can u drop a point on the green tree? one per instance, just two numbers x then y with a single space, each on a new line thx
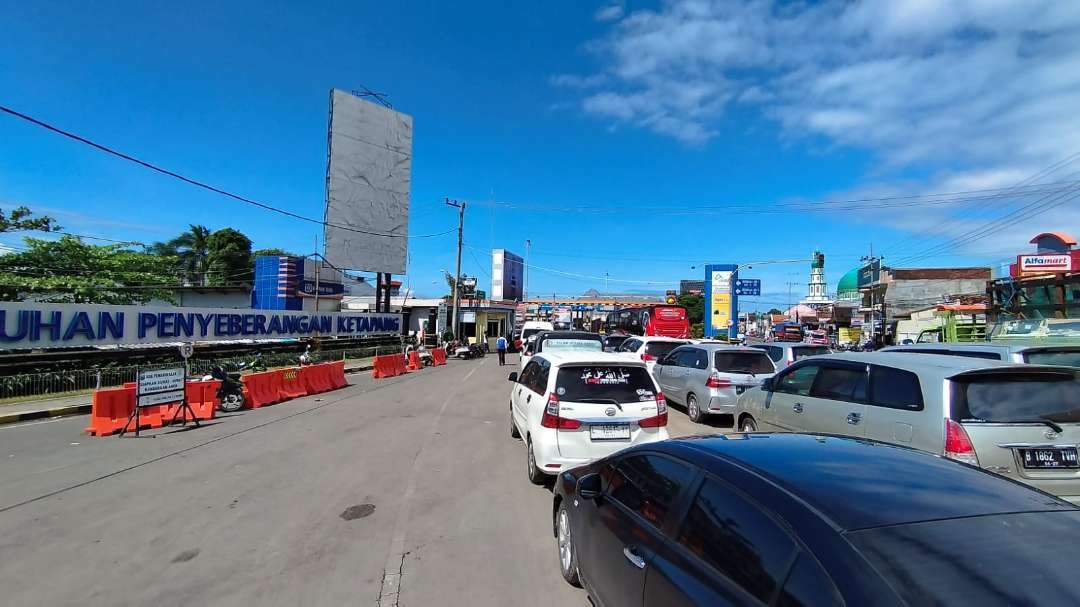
774 311
69 270
22 219
273 252
695 307
229 259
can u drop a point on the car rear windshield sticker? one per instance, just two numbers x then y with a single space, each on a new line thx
605 376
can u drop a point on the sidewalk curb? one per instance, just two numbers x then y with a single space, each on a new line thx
23 416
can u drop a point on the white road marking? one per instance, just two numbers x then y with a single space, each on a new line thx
34 423
395 559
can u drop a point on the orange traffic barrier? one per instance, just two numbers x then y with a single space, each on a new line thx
399 364
273 386
259 391
384 366
202 397
337 375
438 356
414 361
291 386
109 410
149 417
312 378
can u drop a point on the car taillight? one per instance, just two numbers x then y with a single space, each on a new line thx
957 444
647 357
551 418
660 419
715 381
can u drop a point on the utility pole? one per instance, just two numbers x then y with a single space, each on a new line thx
874 262
318 265
525 286
460 206
789 285
605 283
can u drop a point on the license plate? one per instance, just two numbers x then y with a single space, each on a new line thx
609 431
1049 458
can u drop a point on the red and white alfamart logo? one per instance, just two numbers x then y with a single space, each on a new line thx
1045 263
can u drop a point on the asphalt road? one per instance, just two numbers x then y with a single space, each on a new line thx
404 491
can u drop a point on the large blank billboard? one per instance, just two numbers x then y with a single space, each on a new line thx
368 178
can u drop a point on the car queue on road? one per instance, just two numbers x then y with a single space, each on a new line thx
702 522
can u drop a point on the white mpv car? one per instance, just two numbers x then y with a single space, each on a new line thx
573 407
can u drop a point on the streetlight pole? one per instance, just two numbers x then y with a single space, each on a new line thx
460 206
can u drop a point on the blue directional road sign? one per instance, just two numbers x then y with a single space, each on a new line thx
750 287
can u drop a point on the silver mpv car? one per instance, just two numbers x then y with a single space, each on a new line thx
708 378
1021 421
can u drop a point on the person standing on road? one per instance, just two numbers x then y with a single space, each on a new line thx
500 345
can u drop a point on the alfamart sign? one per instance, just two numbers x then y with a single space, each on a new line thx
41 325
1045 263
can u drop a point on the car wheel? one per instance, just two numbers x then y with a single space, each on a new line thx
748 425
536 476
513 427
692 409
568 564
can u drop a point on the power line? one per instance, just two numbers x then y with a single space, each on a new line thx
944 226
200 184
1030 210
960 197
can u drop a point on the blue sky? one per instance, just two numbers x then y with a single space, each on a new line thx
592 129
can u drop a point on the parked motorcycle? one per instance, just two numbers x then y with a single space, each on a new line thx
231 393
469 351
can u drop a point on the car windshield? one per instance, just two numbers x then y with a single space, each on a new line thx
529 332
622 384
743 362
562 344
804 351
660 349
1069 358
1018 397
983 560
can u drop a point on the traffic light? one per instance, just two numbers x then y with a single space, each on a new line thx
671 299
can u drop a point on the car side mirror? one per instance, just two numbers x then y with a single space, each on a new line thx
513 377
766 384
588 486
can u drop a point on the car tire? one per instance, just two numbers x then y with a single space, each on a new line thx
536 476
568 563
693 410
747 424
513 427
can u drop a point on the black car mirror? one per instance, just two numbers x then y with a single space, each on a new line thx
767 384
513 377
588 486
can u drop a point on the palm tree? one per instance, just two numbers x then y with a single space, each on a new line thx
191 250
194 250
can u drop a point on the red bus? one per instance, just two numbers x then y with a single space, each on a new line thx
668 321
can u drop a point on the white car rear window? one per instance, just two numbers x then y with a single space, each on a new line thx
572 345
604 384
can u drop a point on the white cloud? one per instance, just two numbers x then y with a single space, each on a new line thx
609 13
970 94
914 81
576 81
